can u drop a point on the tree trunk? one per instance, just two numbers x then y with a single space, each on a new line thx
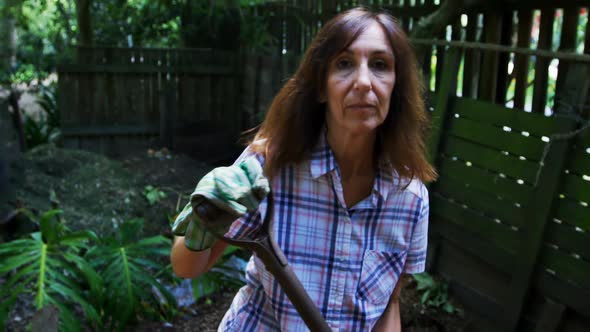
84 22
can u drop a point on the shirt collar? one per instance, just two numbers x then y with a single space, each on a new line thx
323 162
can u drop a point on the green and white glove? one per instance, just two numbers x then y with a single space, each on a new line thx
233 190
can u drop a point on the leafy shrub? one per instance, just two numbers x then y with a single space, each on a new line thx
113 281
49 265
153 194
434 293
130 271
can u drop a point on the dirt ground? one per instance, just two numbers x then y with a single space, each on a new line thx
205 316
98 193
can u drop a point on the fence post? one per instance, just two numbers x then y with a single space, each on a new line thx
540 206
446 89
167 103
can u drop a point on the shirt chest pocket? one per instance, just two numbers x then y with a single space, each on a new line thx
379 275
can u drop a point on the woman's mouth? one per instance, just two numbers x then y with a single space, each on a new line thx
361 106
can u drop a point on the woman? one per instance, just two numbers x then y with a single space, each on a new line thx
343 147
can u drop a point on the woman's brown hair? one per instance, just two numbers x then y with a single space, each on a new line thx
296 116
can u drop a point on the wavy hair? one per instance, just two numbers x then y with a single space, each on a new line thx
296 116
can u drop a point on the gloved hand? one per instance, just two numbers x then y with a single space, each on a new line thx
221 197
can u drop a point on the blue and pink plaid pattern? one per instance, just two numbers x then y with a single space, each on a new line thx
348 259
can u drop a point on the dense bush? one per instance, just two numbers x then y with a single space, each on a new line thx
113 281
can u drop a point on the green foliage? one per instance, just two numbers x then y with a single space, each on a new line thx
144 23
44 30
113 281
48 265
226 274
254 31
434 293
228 25
130 271
153 194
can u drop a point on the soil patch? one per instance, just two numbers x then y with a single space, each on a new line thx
99 193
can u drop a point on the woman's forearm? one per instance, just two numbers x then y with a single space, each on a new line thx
191 264
390 320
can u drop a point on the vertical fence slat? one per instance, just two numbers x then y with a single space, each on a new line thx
541 64
504 58
521 62
470 70
567 43
447 87
489 71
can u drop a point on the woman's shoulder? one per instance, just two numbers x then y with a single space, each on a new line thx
412 186
251 152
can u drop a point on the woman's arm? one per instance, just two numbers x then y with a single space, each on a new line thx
390 320
191 264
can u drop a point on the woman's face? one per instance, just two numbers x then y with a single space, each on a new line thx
360 83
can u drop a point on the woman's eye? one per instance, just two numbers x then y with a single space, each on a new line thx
343 63
380 65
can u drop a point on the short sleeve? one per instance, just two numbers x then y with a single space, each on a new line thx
416 257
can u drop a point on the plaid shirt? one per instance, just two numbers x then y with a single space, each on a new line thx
348 259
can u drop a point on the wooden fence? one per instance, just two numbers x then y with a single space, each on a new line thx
512 79
509 215
118 99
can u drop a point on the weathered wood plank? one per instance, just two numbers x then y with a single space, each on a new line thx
580 161
469 270
503 58
576 187
569 239
568 38
216 70
550 317
441 114
573 212
535 4
542 64
566 266
563 291
109 131
492 159
486 181
502 116
472 60
521 63
476 245
489 75
478 200
499 235
493 137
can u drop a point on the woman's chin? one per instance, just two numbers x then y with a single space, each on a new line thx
362 129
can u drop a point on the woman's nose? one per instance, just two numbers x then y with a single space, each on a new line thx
363 78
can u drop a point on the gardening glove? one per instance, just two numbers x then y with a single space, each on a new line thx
221 197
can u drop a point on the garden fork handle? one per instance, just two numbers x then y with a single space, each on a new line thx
280 269
275 262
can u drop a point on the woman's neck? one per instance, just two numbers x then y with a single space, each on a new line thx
354 153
